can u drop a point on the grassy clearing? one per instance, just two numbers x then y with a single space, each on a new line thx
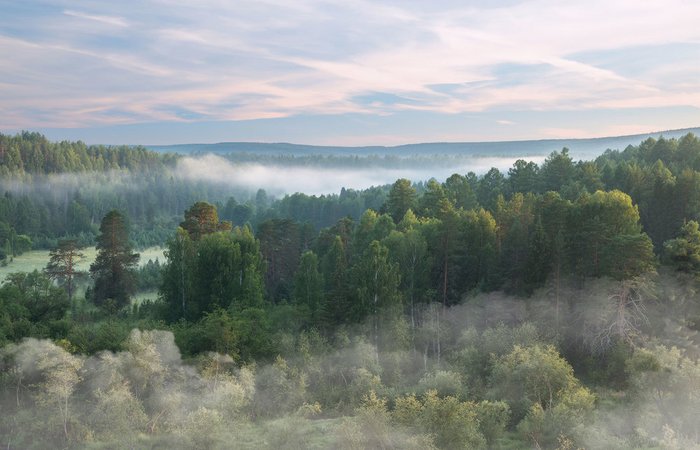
37 259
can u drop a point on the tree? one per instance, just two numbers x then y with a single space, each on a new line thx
63 262
218 273
515 222
308 286
428 203
29 305
56 374
252 269
542 392
606 238
524 176
402 197
409 250
178 274
451 422
477 250
448 242
378 280
61 371
335 274
460 192
684 251
665 389
491 185
202 219
557 171
280 244
114 268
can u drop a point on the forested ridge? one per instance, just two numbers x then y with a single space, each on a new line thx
551 306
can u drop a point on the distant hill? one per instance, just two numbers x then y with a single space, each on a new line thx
579 148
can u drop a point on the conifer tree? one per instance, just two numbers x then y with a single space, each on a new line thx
63 262
114 268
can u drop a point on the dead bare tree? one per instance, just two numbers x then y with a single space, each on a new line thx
621 316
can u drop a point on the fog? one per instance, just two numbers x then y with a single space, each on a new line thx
289 179
57 185
319 393
276 178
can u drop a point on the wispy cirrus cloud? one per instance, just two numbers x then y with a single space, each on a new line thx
107 20
99 63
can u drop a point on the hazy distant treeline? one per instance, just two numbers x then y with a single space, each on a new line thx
56 189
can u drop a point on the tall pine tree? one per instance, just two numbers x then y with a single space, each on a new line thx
114 268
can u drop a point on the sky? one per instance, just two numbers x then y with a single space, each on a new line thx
351 72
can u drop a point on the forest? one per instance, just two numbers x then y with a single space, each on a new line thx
551 305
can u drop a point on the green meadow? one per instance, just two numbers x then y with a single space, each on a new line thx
37 259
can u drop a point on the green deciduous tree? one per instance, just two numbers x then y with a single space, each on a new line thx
176 288
453 423
377 281
409 250
665 389
605 237
540 387
308 287
336 309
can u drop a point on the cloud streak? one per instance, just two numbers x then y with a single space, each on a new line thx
108 20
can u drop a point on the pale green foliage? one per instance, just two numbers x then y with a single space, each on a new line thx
363 382
289 432
563 420
280 389
407 410
118 416
476 352
452 423
202 428
374 418
666 385
60 371
59 375
493 419
341 379
540 387
502 339
147 352
394 329
373 427
130 399
226 392
444 382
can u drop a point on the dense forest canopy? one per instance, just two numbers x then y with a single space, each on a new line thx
533 308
